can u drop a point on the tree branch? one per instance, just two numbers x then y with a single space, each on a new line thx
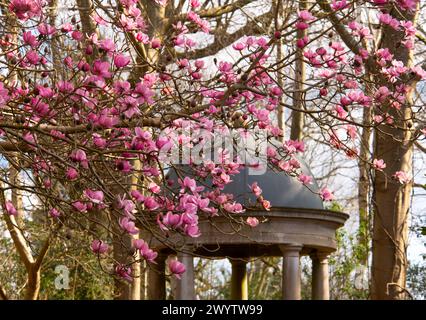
223 39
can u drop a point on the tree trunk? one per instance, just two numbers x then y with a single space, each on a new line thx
391 199
364 189
33 286
298 117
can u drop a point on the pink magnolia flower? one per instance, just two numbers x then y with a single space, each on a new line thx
292 146
339 5
276 91
4 95
266 205
150 203
124 272
189 183
54 213
239 46
71 174
96 197
137 195
171 221
101 69
79 206
77 35
30 39
256 189
154 188
126 205
26 9
147 253
46 29
301 25
121 60
305 15
252 221
10 208
155 43
195 4
79 155
177 268
301 43
233 207
129 226
145 93
379 164
403 177
326 194
32 57
192 230
107 45
305 179
98 246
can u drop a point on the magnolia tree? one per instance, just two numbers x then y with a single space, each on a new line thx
97 108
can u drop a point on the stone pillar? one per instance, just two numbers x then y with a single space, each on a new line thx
291 271
320 281
185 286
239 283
156 288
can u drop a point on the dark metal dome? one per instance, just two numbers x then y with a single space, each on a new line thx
278 188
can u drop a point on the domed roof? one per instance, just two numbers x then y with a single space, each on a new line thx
280 189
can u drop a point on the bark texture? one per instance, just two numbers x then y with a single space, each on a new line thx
391 199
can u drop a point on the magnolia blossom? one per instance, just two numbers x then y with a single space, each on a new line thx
252 221
234 207
79 206
124 272
99 246
326 194
150 203
79 156
26 9
305 179
305 15
379 164
403 177
266 204
147 253
121 60
170 221
177 268
10 208
128 226
96 197
256 189
54 213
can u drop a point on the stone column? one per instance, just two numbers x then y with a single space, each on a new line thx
291 271
185 286
239 283
320 281
156 288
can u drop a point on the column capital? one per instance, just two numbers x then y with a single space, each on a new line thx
320 256
291 249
